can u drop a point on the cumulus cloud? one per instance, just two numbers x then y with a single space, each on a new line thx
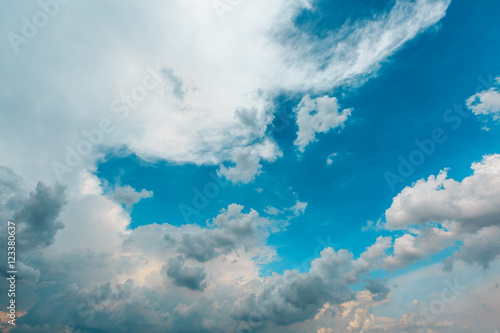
247 161
317 115
36 214
472 203
354 315
37 218
410 248
481 247
378 289
185 276
12 193
293 297
468 211
188 115
156 268
230 230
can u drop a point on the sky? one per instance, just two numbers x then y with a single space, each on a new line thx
320 166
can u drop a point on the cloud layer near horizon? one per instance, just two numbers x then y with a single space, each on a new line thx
208 278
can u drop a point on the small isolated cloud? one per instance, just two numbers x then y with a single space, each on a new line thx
329 159
299 208
317 115
486 102
129 196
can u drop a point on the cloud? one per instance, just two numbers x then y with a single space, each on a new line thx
372 258
378 289
429 298
129 196
37 219
481 247
209 104
185 276
317 115
292 297
188 115
37 214
248 161
297 209
158 267
198 247
408 249
471 204
468 211
354 315
177 83
12 193
486 102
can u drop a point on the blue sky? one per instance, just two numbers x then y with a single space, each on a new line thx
220 159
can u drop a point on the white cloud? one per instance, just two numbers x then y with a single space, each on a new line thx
248 161
486 102
472 203
208 70
273 211
317 115
409 248
329 159
129 196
